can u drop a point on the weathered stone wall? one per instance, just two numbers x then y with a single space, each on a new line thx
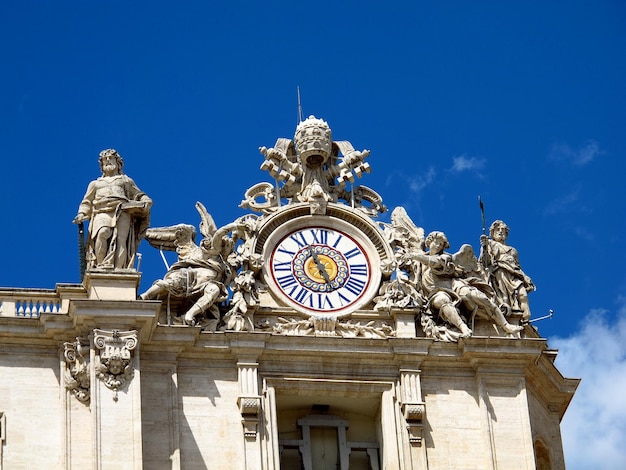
455 435
211 430
30 398
545 425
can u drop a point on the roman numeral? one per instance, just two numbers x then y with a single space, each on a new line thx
354 285
337 241
323 302
320 236
286 281
287 252
298 237
358 269
353 252
282 266
301 296
343 300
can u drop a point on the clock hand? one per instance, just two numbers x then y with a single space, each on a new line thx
320 266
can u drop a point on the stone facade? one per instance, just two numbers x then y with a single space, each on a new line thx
307 337
229 399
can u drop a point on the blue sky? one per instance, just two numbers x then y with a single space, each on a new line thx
522 103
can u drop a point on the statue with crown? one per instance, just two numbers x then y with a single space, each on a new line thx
314 261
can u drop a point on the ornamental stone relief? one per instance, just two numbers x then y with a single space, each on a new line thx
113 359
316 256
77 371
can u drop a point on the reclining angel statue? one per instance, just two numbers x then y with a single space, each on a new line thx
452 281
451 286
202 272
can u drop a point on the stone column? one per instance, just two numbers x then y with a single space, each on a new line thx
76 396
249 400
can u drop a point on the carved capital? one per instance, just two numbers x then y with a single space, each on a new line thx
77 373
114 357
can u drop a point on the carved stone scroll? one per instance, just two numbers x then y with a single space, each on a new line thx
77 373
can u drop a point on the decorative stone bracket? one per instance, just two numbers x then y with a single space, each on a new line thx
113 358
77 372
249 400
412 406
414 415
250 408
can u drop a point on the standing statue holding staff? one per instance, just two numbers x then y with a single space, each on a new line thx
505 274
118 213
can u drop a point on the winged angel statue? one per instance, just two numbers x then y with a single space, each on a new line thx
449 288
204 272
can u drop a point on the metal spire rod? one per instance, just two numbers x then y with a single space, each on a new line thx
482 214
300 115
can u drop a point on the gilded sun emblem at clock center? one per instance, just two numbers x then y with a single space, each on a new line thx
320 268
326 263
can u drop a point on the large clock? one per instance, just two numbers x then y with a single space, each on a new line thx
322 268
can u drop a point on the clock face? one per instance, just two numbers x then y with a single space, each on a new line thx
322 270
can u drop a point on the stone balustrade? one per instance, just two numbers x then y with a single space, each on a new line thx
29 303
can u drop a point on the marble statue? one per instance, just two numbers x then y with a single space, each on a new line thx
505 275
118 213
244 302
236 271
201 273
406 238
451 282
314 169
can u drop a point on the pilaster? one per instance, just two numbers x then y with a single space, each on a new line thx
247 349
116 400
500 367
102 372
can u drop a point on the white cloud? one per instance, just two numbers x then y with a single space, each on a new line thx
563 203
594 426
577 157
418 183
415 183
465 163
